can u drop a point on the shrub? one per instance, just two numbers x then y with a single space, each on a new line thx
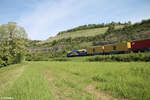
122 58
30 56
2 63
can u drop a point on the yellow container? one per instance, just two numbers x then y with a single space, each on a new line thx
95 50
123 46
89 50
99 49
119 47
109 48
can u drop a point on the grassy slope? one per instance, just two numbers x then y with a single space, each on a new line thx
77 81
80 33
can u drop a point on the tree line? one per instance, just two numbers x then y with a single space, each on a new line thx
92 26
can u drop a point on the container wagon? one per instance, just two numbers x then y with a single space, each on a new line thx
119 48
98 50
141 45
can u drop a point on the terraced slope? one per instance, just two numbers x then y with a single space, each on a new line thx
80 33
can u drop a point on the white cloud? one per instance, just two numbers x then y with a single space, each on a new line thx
38 22
51 16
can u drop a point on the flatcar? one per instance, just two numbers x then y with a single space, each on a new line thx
119 48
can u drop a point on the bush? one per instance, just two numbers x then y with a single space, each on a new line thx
2 63
122 58
30 56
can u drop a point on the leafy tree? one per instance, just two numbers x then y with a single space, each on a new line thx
54 42
111 28
13 41
129 23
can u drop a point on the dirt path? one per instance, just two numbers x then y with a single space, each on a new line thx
98 94
57 94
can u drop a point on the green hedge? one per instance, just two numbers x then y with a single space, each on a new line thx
30 56
122 58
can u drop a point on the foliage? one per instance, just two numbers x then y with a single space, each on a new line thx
31 56
122 58
2 63
13 41
91 26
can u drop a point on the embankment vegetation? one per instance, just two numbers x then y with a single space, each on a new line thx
133 57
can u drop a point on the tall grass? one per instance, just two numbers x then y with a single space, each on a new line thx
121 80
129 80
31 85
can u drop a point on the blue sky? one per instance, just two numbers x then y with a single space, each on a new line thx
44 18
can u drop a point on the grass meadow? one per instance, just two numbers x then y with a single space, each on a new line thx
55 80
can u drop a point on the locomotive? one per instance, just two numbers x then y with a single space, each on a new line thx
118 48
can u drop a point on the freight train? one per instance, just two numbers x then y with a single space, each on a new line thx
119 48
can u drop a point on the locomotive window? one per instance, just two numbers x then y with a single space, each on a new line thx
114 47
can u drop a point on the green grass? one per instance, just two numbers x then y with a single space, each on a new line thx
54 80
9 74
30 85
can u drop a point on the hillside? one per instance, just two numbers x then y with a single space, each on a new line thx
80 33
58 45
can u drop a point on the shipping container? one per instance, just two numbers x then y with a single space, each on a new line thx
98 50
109 48
117 48
123 47
89 51
140 45
95 50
